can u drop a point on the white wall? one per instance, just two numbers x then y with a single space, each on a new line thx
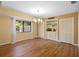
41 29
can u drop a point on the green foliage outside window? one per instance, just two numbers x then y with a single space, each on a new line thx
20 25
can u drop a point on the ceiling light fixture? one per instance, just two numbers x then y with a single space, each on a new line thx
38 18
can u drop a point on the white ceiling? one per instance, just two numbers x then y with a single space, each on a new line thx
46 8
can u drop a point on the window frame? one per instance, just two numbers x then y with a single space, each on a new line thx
23 26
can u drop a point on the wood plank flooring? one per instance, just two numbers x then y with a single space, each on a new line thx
39 48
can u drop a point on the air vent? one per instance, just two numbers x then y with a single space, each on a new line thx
51 18
73 2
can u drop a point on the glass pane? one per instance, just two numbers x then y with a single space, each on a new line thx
19 26
27 26
51 26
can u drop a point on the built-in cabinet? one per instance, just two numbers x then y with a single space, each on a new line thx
61 30
52 29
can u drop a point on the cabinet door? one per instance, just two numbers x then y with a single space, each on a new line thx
51 35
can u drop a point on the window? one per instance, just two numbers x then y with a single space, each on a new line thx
23 26
19 26
27 26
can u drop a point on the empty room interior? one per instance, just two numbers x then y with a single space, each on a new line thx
39 28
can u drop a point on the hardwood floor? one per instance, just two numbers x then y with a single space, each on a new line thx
39 48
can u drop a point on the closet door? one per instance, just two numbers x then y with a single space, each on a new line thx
66 30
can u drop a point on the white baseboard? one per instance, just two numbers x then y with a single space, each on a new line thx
72 44
75 44
5 43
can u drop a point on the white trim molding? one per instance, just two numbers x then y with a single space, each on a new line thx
13 30
5 43
73 30
78 29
